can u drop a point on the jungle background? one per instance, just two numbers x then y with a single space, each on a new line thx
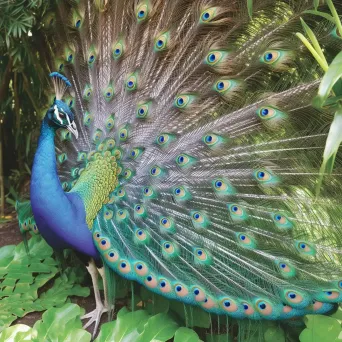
32 285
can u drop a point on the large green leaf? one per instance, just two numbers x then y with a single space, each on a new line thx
320 329
321 14
337 314
186 335
160 327
6 255
21 277
126 326
274 334
61 324
16 333
107 332
330 78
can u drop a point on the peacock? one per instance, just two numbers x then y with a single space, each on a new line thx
182 151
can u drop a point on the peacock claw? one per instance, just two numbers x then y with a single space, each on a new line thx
94 317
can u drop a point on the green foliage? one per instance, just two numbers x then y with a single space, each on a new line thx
24 57
331 84
250 7
61 324
22 276
19 332
138 326
57 324
186 335
321 329
274 334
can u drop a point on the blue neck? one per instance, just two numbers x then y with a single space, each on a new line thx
60 216
45 183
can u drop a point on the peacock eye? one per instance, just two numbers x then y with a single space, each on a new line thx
207 15
223 85
271 56
131 82
214 57
212 140
161 42
305 248
62 115
142 12
118 50
182 101
268 112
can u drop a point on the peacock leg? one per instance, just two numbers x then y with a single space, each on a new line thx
95 315
105 288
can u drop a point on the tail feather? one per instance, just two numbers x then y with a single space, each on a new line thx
218 151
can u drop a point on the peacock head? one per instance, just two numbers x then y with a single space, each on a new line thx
61 116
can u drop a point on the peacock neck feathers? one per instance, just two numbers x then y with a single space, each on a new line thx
59 216
45 181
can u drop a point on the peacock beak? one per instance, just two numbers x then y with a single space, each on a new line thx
72 128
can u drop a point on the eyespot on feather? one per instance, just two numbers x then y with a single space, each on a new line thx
140 268
164 285
199 294
151 281
124 266
181 290
104 244
264 307
305 248
209 303
207 15
112 255
228 304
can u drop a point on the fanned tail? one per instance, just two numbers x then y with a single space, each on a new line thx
204 119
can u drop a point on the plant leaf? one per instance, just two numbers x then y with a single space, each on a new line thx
321 14
313 39
186 335
316 4
320 329
125 329
250 8
160 327
68 317
331 76
106 333
16 333
274 334
331 147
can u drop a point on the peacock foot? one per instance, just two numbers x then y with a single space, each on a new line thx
95 317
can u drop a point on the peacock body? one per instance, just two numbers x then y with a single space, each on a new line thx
197 156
